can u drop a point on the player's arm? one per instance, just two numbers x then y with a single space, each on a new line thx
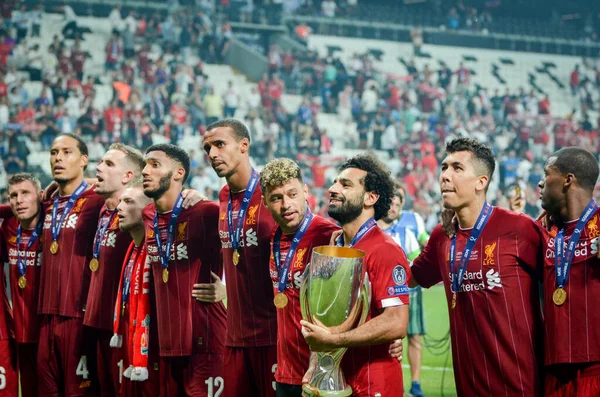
5 211
425 268
389 325
210 292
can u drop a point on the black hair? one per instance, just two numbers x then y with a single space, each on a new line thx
240 131
579 162
174 153
480 153
81 145
377 180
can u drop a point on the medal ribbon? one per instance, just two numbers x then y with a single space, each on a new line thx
127 277
458 274
32 239
283 271
368 225
562 259
166 254
56 226
100 231
234 235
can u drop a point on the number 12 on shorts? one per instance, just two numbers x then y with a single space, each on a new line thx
215 386
2 378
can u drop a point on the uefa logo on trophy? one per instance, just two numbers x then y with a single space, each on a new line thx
336 292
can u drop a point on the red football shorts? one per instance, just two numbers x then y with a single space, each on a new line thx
107 363
27 357
9 380
198 375
572 380
253 370
66 365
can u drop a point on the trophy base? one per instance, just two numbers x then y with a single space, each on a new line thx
309 391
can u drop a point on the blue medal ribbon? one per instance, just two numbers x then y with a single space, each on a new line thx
166 254
283 271
100 231
234 235
562 259
127 280
458 274
56 226
32 239
368 225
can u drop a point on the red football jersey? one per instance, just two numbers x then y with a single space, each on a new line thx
370 370
292 349
186 326
496 326
251 315
573 329
65 277
24 300
6 320
104 283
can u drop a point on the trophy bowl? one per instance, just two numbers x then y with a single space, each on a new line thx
335 292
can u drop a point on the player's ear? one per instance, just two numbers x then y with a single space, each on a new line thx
482 183
128 177
371 198
264 201
84 160
305 190
244 145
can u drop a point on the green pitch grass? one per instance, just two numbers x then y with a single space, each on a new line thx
434 367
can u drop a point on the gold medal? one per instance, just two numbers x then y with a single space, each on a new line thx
559 296
54 247
280 300
165 275
453 300
94 264
236 257
22 282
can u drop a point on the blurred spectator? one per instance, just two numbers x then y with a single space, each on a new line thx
574 81
213 106
303 32
416 35
231 100
328 8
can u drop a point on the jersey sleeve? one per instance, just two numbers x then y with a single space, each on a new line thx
5 211
422 235
426 269
530 247
391 276
412 249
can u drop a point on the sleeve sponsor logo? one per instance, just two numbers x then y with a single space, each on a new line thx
399 275
397 290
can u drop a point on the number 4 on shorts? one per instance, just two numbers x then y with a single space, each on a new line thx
82 369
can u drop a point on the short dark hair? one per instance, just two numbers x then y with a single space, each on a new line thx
579 162
480 153
25 176
81 145
174 153
377 180
240 131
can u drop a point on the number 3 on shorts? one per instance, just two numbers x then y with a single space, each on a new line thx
2 378
215 383
82 369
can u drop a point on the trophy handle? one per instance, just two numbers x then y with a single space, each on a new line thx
303 295
365 299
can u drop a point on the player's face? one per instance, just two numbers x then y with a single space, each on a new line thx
347 196
394 211
224 152
130 208
66 161
551 188
110 172
459 180
287 204
158 174
24 198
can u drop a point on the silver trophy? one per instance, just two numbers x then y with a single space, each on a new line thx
335 292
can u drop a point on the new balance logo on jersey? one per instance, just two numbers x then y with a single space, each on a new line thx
493 279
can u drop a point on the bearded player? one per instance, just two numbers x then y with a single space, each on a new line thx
571 283
23 251
362 194
299 231
118 167
490 273
71 216
134 314
183 249
245 227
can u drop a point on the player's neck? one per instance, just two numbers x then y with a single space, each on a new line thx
137 234
31 223
467 215
67 188
350 229
167 201
112 200
383 224
240 178
575 205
